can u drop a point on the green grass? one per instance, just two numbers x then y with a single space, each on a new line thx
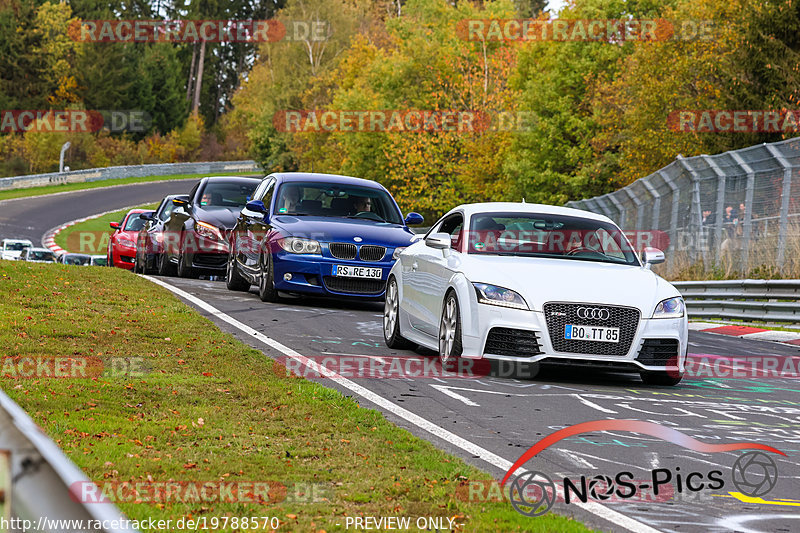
212 408
91 236
50 189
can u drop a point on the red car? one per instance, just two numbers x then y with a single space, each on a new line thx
122 244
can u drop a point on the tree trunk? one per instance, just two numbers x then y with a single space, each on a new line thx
199 84
191 74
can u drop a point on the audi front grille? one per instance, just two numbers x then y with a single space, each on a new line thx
343 250
557 315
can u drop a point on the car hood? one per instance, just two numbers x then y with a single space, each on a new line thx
11 254
221 217
328 229
541 280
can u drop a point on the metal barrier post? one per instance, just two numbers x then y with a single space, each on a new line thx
748 210
673 222
787 190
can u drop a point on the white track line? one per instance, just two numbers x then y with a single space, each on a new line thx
596 509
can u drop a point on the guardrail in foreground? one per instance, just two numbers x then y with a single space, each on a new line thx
748 299
41 476
129 171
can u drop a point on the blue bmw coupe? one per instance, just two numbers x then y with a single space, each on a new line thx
317 234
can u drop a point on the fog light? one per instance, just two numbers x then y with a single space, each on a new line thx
287 277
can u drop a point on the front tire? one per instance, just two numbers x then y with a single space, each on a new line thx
450 331
165 268
266 280
391 319
667 379
185 269
233 279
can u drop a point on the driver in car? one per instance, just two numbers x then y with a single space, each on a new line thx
290 197
362 204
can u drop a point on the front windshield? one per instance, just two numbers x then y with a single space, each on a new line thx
134 223
41 256
80 260
334 200
555 236
17 246
222 194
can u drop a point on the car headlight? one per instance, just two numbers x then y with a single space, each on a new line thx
207 230
126 242
670 308
397 252
493 295
296 245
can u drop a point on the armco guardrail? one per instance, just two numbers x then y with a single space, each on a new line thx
130 171
748 299
40 480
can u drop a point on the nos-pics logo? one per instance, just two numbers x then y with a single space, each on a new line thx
532 493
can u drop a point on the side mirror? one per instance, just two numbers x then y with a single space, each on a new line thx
652 256
414 219
439 241
257 206
180 201
114 225
146 216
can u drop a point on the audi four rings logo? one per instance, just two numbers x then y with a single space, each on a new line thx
595 313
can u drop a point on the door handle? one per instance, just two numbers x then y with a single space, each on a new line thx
414 266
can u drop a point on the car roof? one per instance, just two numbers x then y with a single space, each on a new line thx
327 178
521 207
39 249
16 241
232 179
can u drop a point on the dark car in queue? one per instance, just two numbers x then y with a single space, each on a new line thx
75 259
122 244
318 234
196 233
150 241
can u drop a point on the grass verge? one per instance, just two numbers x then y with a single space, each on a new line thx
91 236
212 409
51 189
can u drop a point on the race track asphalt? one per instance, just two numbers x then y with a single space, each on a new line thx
507 415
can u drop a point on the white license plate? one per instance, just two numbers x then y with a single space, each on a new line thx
357 272
591 333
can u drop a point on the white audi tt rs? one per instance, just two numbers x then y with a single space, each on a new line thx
533 283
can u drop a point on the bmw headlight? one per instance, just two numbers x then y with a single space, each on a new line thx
397 252
670 308
295 245
493 295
